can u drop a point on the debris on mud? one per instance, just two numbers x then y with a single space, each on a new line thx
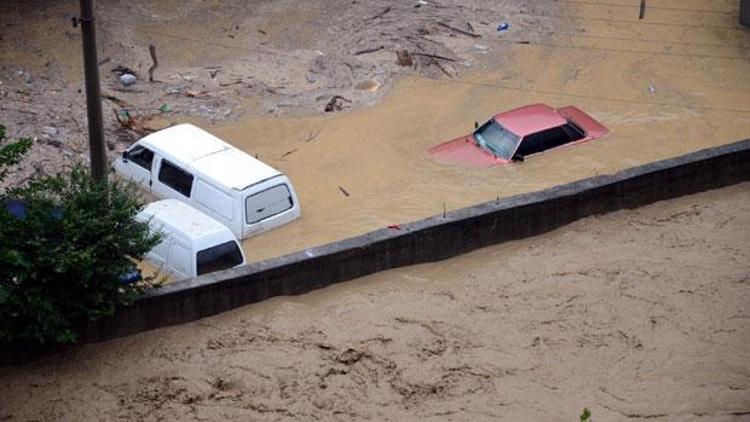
285 57
404 58
336 103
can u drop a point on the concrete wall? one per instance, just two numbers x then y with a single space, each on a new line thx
432 239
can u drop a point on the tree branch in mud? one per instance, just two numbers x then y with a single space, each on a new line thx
435 56
152 52
369 50
387 9
460 31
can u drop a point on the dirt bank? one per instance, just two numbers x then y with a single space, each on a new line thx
221 60
636 314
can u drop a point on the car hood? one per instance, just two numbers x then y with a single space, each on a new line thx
464 151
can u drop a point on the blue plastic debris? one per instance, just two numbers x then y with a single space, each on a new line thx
17 209
503 26
132 276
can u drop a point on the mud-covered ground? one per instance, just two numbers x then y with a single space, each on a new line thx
639 314
221 60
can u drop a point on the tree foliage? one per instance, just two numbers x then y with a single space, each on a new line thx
11 153
63 258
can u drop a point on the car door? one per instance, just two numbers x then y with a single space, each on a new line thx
137 164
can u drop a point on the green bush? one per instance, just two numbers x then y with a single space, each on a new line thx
61 262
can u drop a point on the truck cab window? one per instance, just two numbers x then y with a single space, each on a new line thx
141 156
176 178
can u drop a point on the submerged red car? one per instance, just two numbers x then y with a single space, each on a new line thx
519 133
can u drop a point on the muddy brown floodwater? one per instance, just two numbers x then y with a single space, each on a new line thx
662 90
638 314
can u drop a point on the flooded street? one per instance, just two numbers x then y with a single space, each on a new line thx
660 95
638 314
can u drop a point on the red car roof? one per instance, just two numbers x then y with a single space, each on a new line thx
530 119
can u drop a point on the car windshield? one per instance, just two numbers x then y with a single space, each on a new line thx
496 139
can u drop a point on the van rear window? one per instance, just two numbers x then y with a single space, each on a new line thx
220 257
268 203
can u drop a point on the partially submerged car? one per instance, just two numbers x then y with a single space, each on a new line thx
516 134
188 164
192 244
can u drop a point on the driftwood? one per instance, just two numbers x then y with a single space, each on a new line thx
368 50
118 101
434 56
152 52
311 137
443 69
404 58
460 31
387 9
288 153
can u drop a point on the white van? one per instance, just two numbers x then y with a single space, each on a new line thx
189 164
192 243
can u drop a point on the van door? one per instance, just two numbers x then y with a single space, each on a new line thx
179 261
267 203
213 201
137 164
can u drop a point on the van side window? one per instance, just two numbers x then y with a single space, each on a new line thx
141 156
268 203
176 178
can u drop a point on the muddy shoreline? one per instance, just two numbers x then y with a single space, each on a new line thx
221 61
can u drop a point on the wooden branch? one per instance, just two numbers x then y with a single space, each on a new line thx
434 56
460 31
152 51
387 9
368 50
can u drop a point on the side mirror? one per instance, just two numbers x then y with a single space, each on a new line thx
125 155
476 125
518 158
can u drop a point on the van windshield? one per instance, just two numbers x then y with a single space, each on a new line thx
220 257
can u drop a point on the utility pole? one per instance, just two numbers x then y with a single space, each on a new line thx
93 95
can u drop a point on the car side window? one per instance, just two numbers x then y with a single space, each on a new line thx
141 156
544 140
574 131
176 178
